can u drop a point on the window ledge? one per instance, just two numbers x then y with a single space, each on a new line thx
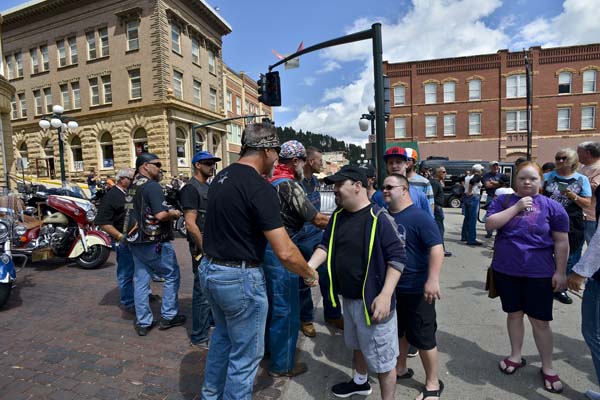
564 94
454 135
97 59
196 64
212 73
67 66
516 97
18 78
96 106
475 134
178 53
78 109
40 73
474 100
589 129
563 130
20 119
136 100
132 51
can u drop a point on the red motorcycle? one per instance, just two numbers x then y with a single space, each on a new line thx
64 228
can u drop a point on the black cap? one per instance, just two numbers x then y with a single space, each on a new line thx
351 172
368 170
144 158
504 178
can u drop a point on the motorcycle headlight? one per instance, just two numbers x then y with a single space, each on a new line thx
3 232
90 215
20 230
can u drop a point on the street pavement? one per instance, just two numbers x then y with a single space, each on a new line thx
62 336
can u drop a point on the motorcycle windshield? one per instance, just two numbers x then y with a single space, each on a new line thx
11 215
70 189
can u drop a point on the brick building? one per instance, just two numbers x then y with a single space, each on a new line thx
135 75
475 107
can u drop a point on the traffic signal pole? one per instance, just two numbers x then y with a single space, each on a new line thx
375 35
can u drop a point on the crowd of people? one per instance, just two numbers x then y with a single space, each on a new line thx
259 244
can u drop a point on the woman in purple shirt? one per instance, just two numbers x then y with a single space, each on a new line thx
529 263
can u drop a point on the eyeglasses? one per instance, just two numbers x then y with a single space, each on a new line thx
157 164
208 163
391 187
563 158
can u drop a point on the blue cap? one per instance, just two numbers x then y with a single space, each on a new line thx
203 156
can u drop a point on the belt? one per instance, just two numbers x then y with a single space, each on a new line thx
233 263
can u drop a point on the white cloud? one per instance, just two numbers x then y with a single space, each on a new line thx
329 66
577 24
283 109
426 31
309 80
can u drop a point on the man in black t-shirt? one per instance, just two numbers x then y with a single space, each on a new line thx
92 182
194 200
149 228
242 216
111 216
437 184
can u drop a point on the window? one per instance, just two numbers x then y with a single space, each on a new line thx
77 153
430 93
10 73
516 121
238 105
431 126
211 62
197 93
229 101
589 81
45 62
399 127
564 83
64 96
106 148
62 53
133 41
35 63
13 107
234 133
39 107
449 125
103 35
91 44
195 51
246 107
474 123
564 119
588 117
107 89
23 152
73 49
48 99
213 99
76 92
19 63
399 95
175 38
474 90
140 142
178 84
135 84
23 105
94 92
181 140
515 86
449 92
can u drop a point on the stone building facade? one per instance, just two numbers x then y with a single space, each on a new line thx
136 76
6 148
475 107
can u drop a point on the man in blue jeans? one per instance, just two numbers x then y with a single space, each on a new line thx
471 198
307 240
282 286
241 217
148 223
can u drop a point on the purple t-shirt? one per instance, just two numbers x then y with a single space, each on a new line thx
524 246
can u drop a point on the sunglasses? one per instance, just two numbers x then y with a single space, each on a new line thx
391 187
560 158
157 164
207 163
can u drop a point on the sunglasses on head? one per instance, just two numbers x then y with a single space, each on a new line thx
563 158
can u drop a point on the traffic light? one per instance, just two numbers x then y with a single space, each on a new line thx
269 89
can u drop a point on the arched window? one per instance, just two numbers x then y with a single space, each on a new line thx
140 142
182 146
215 143
77 153
24 156
199 142
49 149
106 148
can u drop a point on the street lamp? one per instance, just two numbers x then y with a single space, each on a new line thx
61 123
363 124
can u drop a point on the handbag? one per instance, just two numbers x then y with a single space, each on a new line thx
490 285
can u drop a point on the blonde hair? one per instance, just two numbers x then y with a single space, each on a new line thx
572 158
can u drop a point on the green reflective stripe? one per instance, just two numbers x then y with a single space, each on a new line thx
371 241
329 253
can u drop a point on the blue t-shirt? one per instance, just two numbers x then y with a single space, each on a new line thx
576 183
418 197
490 176
420 233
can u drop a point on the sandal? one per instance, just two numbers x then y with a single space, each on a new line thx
433 393
509 363
551 379
407 375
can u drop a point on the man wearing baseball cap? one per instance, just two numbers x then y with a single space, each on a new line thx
241 217
491 182
194 199
417 181
365 257
473 185
296 209
371 174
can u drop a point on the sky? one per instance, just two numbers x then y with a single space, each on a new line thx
333 87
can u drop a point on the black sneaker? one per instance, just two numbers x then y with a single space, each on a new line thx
177 320
143 330
347 389
563 297
202 345
153 298
412 352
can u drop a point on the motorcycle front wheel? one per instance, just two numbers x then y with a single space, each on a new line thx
5 289
94 257
180 226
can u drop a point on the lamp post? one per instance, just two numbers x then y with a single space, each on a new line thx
363 124
61 123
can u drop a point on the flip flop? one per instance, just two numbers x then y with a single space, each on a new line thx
551 379
509 363
433 393
407 375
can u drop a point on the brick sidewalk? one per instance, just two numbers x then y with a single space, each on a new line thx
62 336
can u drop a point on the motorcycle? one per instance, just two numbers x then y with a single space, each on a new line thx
11 208
171 193
101 189
64 228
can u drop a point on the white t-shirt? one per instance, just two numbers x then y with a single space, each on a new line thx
475 189
504 190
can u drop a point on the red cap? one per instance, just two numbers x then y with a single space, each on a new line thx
395 151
